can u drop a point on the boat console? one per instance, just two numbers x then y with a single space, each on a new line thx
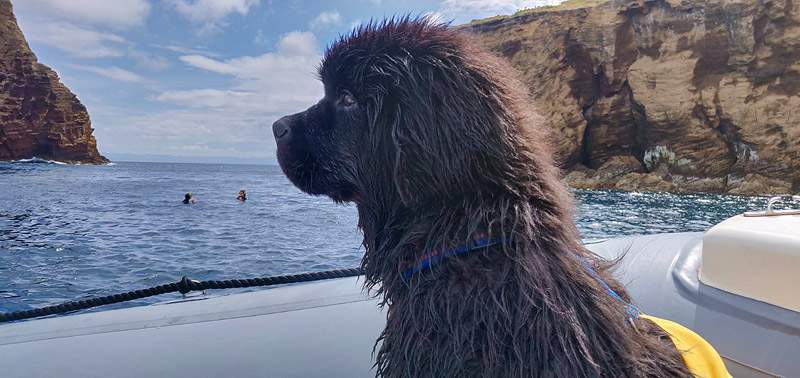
756 255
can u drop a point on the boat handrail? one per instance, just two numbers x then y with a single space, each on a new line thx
772 212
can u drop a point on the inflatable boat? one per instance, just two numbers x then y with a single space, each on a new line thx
737 285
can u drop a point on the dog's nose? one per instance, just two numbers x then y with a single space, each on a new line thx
282 129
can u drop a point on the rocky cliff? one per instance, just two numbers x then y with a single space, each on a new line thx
677 95
39 116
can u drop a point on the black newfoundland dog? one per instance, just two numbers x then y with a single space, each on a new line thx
467 228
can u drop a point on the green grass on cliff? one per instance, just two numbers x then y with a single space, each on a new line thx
476 22
526 10
567 5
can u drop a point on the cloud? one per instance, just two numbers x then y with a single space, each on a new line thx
475 9
78 27
193 132
208 98
260 38
234 120
210 14
149 61
297 57
118 14
113 72
198 50
78 41
268 83
296 43
208 64
85 42
325 19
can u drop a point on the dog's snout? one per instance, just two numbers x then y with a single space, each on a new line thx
282 129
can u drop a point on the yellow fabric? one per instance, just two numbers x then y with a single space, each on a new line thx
700 357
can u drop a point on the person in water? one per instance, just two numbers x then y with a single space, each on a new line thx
187 199
242 196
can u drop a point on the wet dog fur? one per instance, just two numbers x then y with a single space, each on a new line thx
435 141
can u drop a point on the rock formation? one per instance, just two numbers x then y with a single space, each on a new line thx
679 95
39 116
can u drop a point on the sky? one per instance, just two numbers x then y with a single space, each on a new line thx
205 78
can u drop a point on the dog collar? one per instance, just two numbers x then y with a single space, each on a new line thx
436 256
482 241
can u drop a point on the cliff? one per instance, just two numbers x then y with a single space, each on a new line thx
675 95
39 116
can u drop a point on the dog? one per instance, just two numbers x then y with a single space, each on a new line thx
467 228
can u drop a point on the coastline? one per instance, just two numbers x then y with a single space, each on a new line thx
681 97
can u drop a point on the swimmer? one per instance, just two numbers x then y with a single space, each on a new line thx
187 199
242 196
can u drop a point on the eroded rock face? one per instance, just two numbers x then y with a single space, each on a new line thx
707 91
39 116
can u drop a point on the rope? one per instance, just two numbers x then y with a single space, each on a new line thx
183 286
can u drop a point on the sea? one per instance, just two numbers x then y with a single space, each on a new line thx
72 232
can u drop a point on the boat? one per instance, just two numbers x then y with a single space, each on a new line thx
736 285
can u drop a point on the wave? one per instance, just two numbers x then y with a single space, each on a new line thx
37 160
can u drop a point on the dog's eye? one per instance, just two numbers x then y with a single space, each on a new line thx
347 99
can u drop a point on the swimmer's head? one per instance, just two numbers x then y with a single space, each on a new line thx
188 196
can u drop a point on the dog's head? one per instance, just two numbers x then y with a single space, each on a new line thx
413 111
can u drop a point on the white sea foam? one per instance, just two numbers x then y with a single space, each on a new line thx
38 161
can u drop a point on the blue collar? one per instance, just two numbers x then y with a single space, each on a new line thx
481 241
434 257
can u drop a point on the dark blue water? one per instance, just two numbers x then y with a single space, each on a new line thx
75 232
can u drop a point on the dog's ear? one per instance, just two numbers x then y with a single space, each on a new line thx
443 129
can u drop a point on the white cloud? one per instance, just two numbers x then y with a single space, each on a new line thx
210 14
198 50
301 44
78 41
325 19
476 9
195 132
86 42
208 64
113 72
119 14
149 61
208 98
266 88
297 56
79 28
260 38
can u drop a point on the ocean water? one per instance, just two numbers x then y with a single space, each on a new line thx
75 232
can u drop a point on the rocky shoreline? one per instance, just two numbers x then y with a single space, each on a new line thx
663 95
627 174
